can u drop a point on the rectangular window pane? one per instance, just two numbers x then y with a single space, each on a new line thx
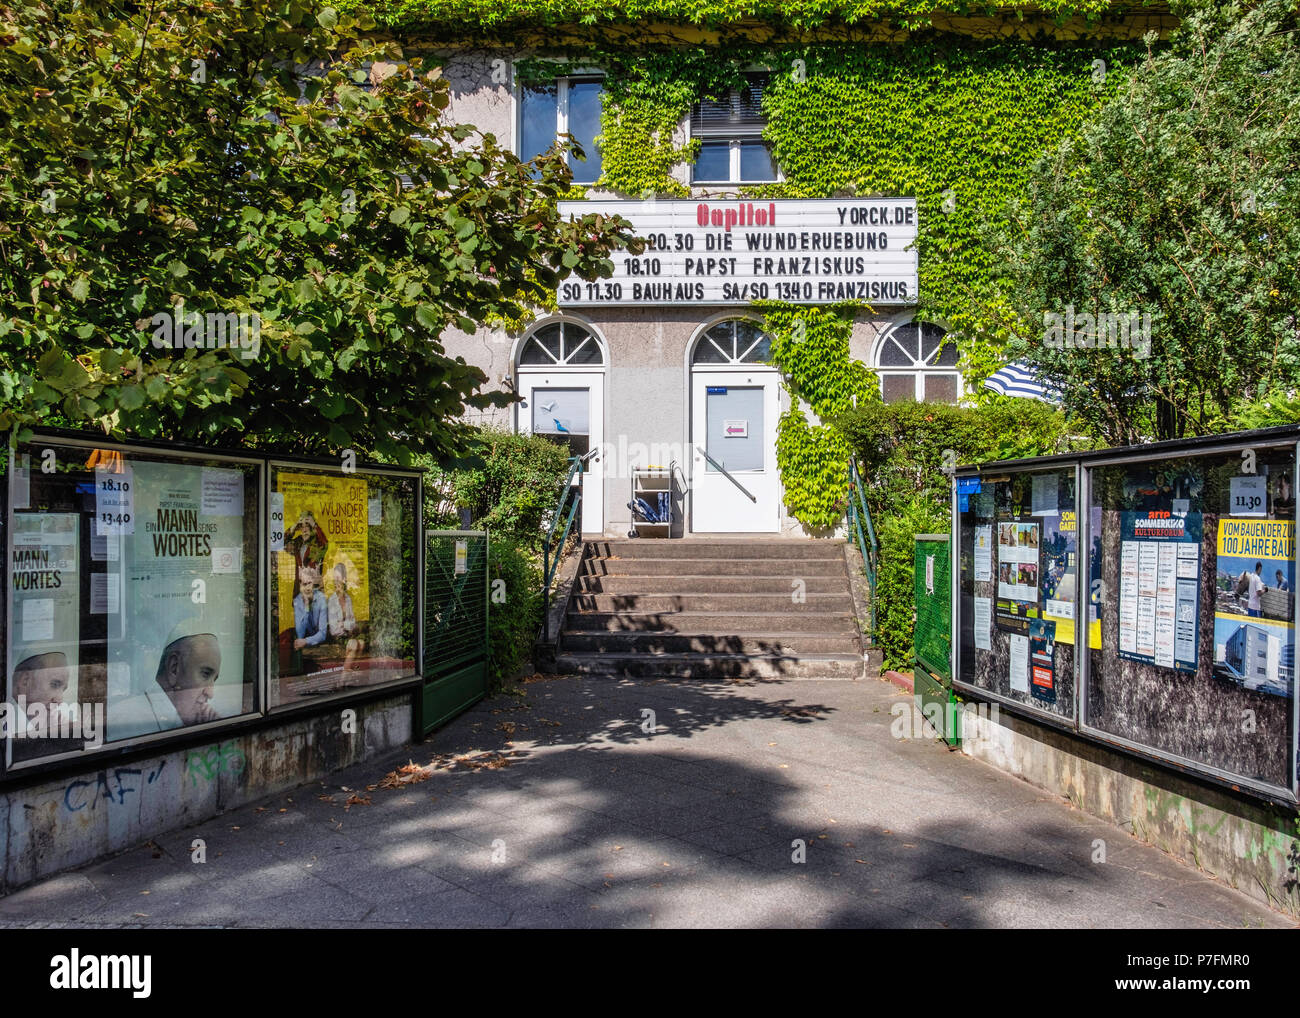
898 387
714 161
1195 629
734 419
756 161
108 552
561 412
584 125
1019 588
537 120
941 388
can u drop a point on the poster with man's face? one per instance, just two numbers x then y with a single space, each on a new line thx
177 585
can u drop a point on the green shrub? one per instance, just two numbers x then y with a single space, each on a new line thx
514 622
906 452
509 484
895 592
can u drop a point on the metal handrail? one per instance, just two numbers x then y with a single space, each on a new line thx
868 546
727 475
551 565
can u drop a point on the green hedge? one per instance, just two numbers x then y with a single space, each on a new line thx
906 452
510 485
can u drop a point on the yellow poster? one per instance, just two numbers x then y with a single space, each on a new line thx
323 589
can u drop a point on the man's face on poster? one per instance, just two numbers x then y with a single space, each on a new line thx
191 667
42 679
307 586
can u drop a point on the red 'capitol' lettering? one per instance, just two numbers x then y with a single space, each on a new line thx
743 214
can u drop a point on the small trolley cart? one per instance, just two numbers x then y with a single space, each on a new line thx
652 501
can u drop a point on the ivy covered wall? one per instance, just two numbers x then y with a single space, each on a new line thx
952 119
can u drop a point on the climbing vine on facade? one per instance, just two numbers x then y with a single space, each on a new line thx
951 120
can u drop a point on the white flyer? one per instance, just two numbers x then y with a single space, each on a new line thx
277 521
222 492
1248 495
38 619
114 501
983 553
227 560
983 623
1043 495
375 510
1019 663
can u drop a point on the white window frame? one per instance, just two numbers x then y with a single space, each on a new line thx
918 370
733 166
562 83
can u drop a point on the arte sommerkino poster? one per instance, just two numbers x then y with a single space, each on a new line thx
176 585
1159 587
323 590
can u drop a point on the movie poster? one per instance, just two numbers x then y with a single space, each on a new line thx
1060 570
175 599
323 583
1159 587
1042 659
1018 573
44 610
1254 607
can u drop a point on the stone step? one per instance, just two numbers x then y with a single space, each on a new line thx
795 620
713 666
779 644
780 585
706 602
747 548
712 567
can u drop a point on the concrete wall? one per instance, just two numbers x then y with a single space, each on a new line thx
74 819
1248 844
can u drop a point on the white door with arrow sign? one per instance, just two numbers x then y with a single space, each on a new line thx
734 482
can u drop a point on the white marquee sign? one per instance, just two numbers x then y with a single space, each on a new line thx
819 251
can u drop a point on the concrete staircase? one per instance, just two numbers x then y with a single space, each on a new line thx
702 608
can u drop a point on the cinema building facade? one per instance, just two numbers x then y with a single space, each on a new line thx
793 183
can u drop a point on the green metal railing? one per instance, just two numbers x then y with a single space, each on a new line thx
566 510
455 624
859 518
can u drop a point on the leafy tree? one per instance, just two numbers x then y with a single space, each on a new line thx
1179 200
163 158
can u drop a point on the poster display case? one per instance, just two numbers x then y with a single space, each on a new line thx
1176 563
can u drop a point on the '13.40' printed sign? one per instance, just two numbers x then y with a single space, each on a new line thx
820 251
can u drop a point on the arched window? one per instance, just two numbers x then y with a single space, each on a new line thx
914 362
735 341
561 344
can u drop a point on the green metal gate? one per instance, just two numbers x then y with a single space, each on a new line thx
932 638
455 625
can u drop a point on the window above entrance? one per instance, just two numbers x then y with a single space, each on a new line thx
561 344
730 130
914 362
735 341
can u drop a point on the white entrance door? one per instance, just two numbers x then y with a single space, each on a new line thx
733 431
569 408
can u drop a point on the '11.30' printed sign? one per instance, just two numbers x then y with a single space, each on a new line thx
819 251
